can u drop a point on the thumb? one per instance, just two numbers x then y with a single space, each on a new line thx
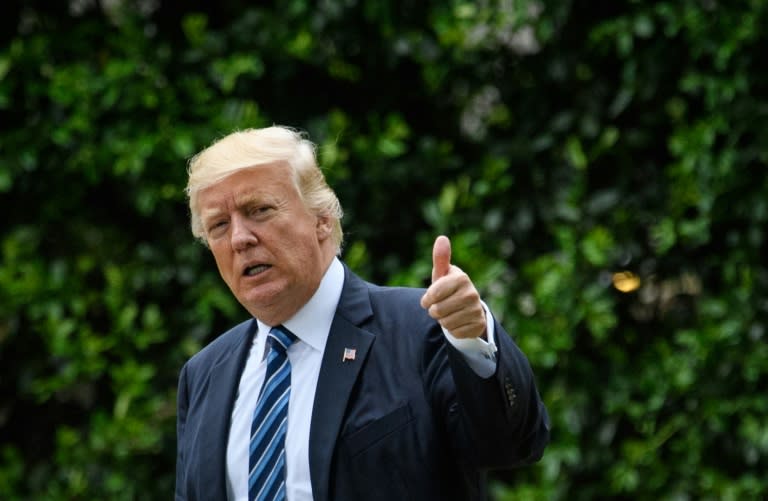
441 257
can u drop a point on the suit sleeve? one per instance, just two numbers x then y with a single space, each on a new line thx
181 418
494 422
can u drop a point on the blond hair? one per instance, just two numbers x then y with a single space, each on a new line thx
251 147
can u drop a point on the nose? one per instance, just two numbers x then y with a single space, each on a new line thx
242 234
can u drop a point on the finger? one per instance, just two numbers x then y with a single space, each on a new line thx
441 257
454 282
451 297
462 324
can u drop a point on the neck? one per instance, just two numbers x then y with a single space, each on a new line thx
285 308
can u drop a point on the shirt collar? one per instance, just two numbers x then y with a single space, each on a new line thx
312 322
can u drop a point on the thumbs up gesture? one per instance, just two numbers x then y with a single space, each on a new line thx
452 299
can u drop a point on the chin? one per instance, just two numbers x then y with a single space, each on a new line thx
260 298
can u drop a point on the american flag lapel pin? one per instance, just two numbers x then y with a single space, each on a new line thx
349 354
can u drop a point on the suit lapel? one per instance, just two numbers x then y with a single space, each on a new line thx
338 373
224 382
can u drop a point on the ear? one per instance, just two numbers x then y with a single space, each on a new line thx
323 227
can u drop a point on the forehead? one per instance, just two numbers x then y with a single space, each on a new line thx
272 180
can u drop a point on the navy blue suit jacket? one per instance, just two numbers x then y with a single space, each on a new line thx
406 419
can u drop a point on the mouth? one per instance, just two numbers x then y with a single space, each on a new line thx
252 271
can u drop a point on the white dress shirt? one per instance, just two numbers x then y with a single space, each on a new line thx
311 324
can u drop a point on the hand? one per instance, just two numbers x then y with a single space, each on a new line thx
452 299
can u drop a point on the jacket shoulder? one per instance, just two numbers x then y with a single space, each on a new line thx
222 344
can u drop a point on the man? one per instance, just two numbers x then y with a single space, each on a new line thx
372 393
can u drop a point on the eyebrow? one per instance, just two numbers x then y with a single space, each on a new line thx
209 214
240 201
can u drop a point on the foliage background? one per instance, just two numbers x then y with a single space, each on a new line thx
558 143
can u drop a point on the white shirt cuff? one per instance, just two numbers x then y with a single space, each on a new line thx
479 353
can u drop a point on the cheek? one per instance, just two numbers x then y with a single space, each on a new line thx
223 263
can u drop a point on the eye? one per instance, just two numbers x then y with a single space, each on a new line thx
258 211
216 226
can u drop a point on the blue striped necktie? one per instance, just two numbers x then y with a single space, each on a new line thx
266 464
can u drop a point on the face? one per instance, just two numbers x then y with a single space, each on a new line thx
269 249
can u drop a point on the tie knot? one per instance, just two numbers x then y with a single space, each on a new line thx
281 338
